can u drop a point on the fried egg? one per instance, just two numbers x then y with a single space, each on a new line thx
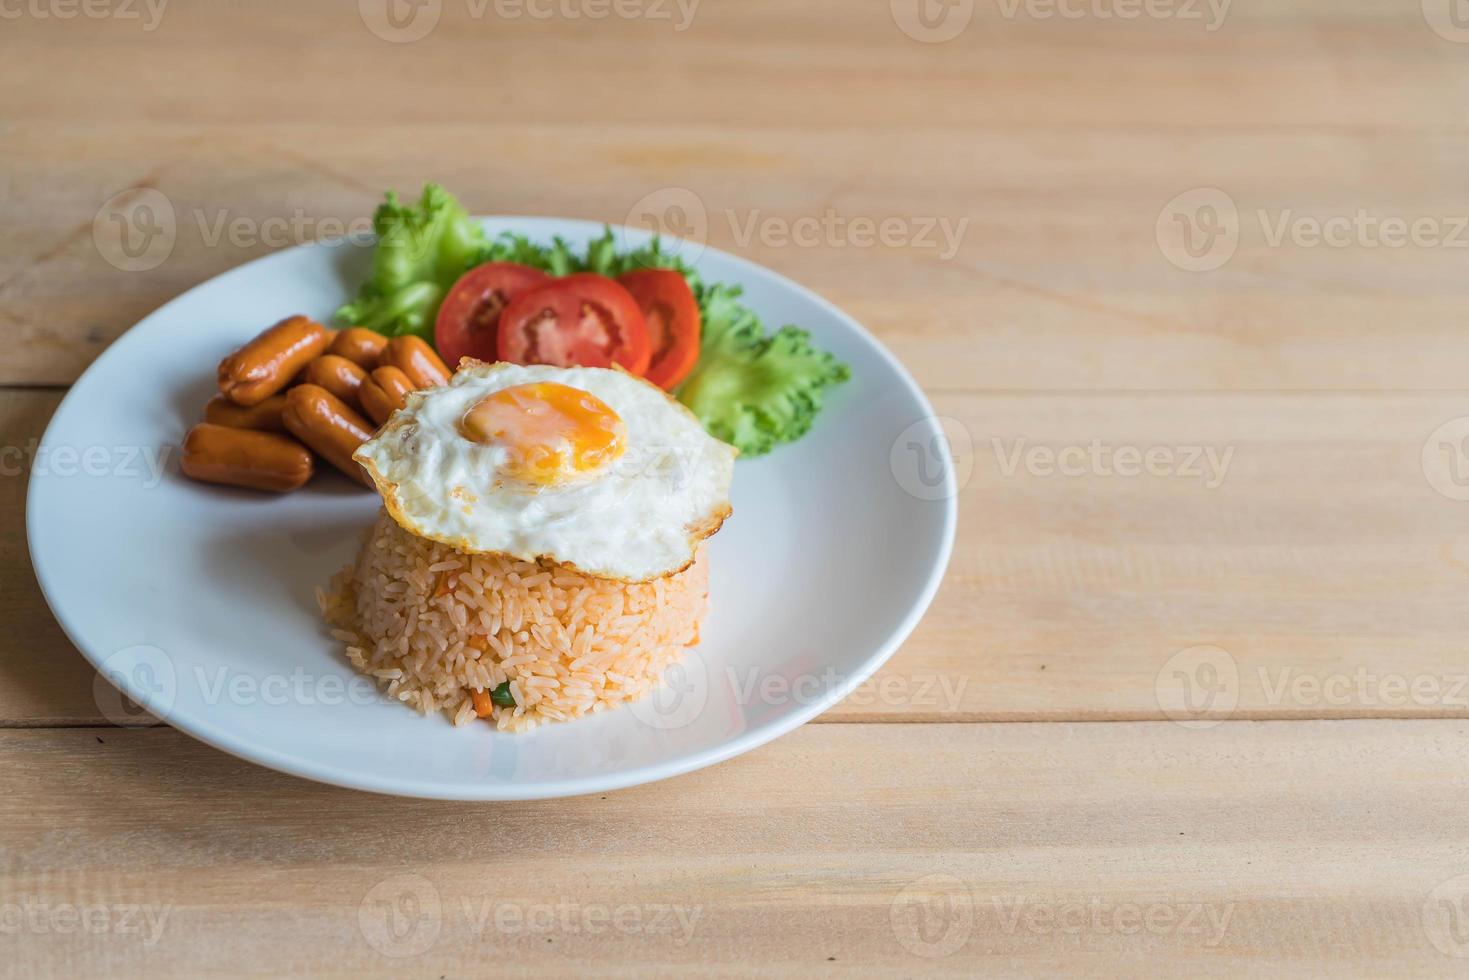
588 467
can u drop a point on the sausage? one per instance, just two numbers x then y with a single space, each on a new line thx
268 363
360 346
245 458
417 360
384 392
265 416
337 375
333 430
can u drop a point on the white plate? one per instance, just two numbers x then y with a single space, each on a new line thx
197 602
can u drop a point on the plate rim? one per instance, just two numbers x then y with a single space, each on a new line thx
406 786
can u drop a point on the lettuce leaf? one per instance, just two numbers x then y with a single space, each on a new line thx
751 389
422 249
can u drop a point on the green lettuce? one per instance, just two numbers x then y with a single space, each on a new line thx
422 249
751 389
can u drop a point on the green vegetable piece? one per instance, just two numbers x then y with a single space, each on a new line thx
422 249
502 696
752 390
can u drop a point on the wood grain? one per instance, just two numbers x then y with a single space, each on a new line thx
1312 558
1022 260
1022 132
1021 850
846 64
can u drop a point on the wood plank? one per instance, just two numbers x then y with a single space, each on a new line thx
1023 259
1020 850
1318 574
1304 64
1024 127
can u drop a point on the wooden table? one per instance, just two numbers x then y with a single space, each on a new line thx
1165 716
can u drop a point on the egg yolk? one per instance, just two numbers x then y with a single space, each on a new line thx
554 433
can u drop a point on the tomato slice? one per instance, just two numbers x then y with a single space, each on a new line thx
469 319
672 313
582 320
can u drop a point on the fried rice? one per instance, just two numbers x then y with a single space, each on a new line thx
438 629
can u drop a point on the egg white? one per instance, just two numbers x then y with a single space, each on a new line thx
640 518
